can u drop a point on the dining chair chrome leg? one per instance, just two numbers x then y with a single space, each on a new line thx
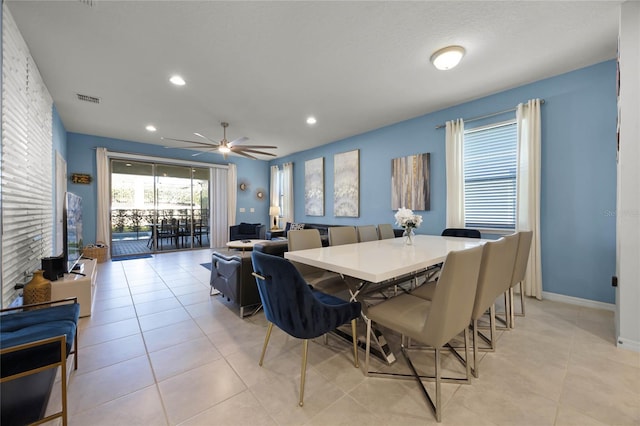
266 342
303 372
522 298
512 315
467 364
367 347
474 370
438 388
354 333
492 325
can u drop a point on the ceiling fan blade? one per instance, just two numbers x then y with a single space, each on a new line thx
206 138
204 146
246 155
255 152
239 140
184 141
257 146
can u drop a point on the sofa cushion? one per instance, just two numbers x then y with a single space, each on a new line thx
248 228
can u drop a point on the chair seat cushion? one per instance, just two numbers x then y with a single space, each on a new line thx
30 326
425 291
406 314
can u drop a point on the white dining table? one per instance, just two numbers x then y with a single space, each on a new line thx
371 262
381 260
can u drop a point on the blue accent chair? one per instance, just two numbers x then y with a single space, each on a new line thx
297 309
33 344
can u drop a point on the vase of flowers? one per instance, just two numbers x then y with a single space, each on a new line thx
409 222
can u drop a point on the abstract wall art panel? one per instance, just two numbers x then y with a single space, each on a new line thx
346 184
314 187
410 182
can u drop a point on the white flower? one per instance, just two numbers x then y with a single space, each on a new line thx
406 219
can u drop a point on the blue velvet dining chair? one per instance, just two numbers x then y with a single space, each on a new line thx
297 309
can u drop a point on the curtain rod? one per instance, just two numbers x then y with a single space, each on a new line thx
440 126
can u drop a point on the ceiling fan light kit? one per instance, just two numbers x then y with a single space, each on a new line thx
224 146
447 57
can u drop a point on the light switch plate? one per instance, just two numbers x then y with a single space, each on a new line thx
242 210
252 210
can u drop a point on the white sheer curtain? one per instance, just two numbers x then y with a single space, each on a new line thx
455 173
232 194
528 191
288 192
103 209
220 202
273 188
274 194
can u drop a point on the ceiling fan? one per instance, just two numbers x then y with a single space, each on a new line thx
224 146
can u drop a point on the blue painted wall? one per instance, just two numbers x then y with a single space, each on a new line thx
81 158
578 174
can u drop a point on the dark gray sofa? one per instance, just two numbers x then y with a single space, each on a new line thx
231 276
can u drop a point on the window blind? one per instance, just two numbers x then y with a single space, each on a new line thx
27 200
490 162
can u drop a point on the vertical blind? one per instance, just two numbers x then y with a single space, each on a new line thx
27 200
490 162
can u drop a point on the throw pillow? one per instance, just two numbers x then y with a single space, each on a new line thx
296 227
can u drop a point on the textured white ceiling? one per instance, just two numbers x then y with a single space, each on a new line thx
264 66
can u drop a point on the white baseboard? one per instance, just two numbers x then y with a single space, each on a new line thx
628 344
578 301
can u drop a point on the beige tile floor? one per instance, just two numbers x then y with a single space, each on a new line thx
158 350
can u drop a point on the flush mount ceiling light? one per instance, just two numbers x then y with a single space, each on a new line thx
177 80
447 57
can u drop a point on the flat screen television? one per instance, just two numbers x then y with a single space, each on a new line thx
72 230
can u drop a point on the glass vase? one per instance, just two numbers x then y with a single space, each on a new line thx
408 236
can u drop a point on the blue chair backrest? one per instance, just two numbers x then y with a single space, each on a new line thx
290 303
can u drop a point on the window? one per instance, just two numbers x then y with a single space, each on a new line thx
490 164
27 157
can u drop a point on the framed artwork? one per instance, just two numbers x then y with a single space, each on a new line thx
346 184
410 182
314 187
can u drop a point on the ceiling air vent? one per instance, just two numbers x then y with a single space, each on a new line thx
87 98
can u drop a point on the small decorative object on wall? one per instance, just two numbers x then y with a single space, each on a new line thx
81 178
346 184
243 186
410 178
260 194
314 187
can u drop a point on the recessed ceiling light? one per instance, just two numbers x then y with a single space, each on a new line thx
311 120
447 57
177 80
151 128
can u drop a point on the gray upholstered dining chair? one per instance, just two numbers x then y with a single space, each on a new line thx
433 323
339 235
367 233
519 270
493 280
385 231
326 281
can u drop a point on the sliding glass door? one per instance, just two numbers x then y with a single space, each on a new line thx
158 207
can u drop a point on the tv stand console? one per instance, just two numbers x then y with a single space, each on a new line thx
81 286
